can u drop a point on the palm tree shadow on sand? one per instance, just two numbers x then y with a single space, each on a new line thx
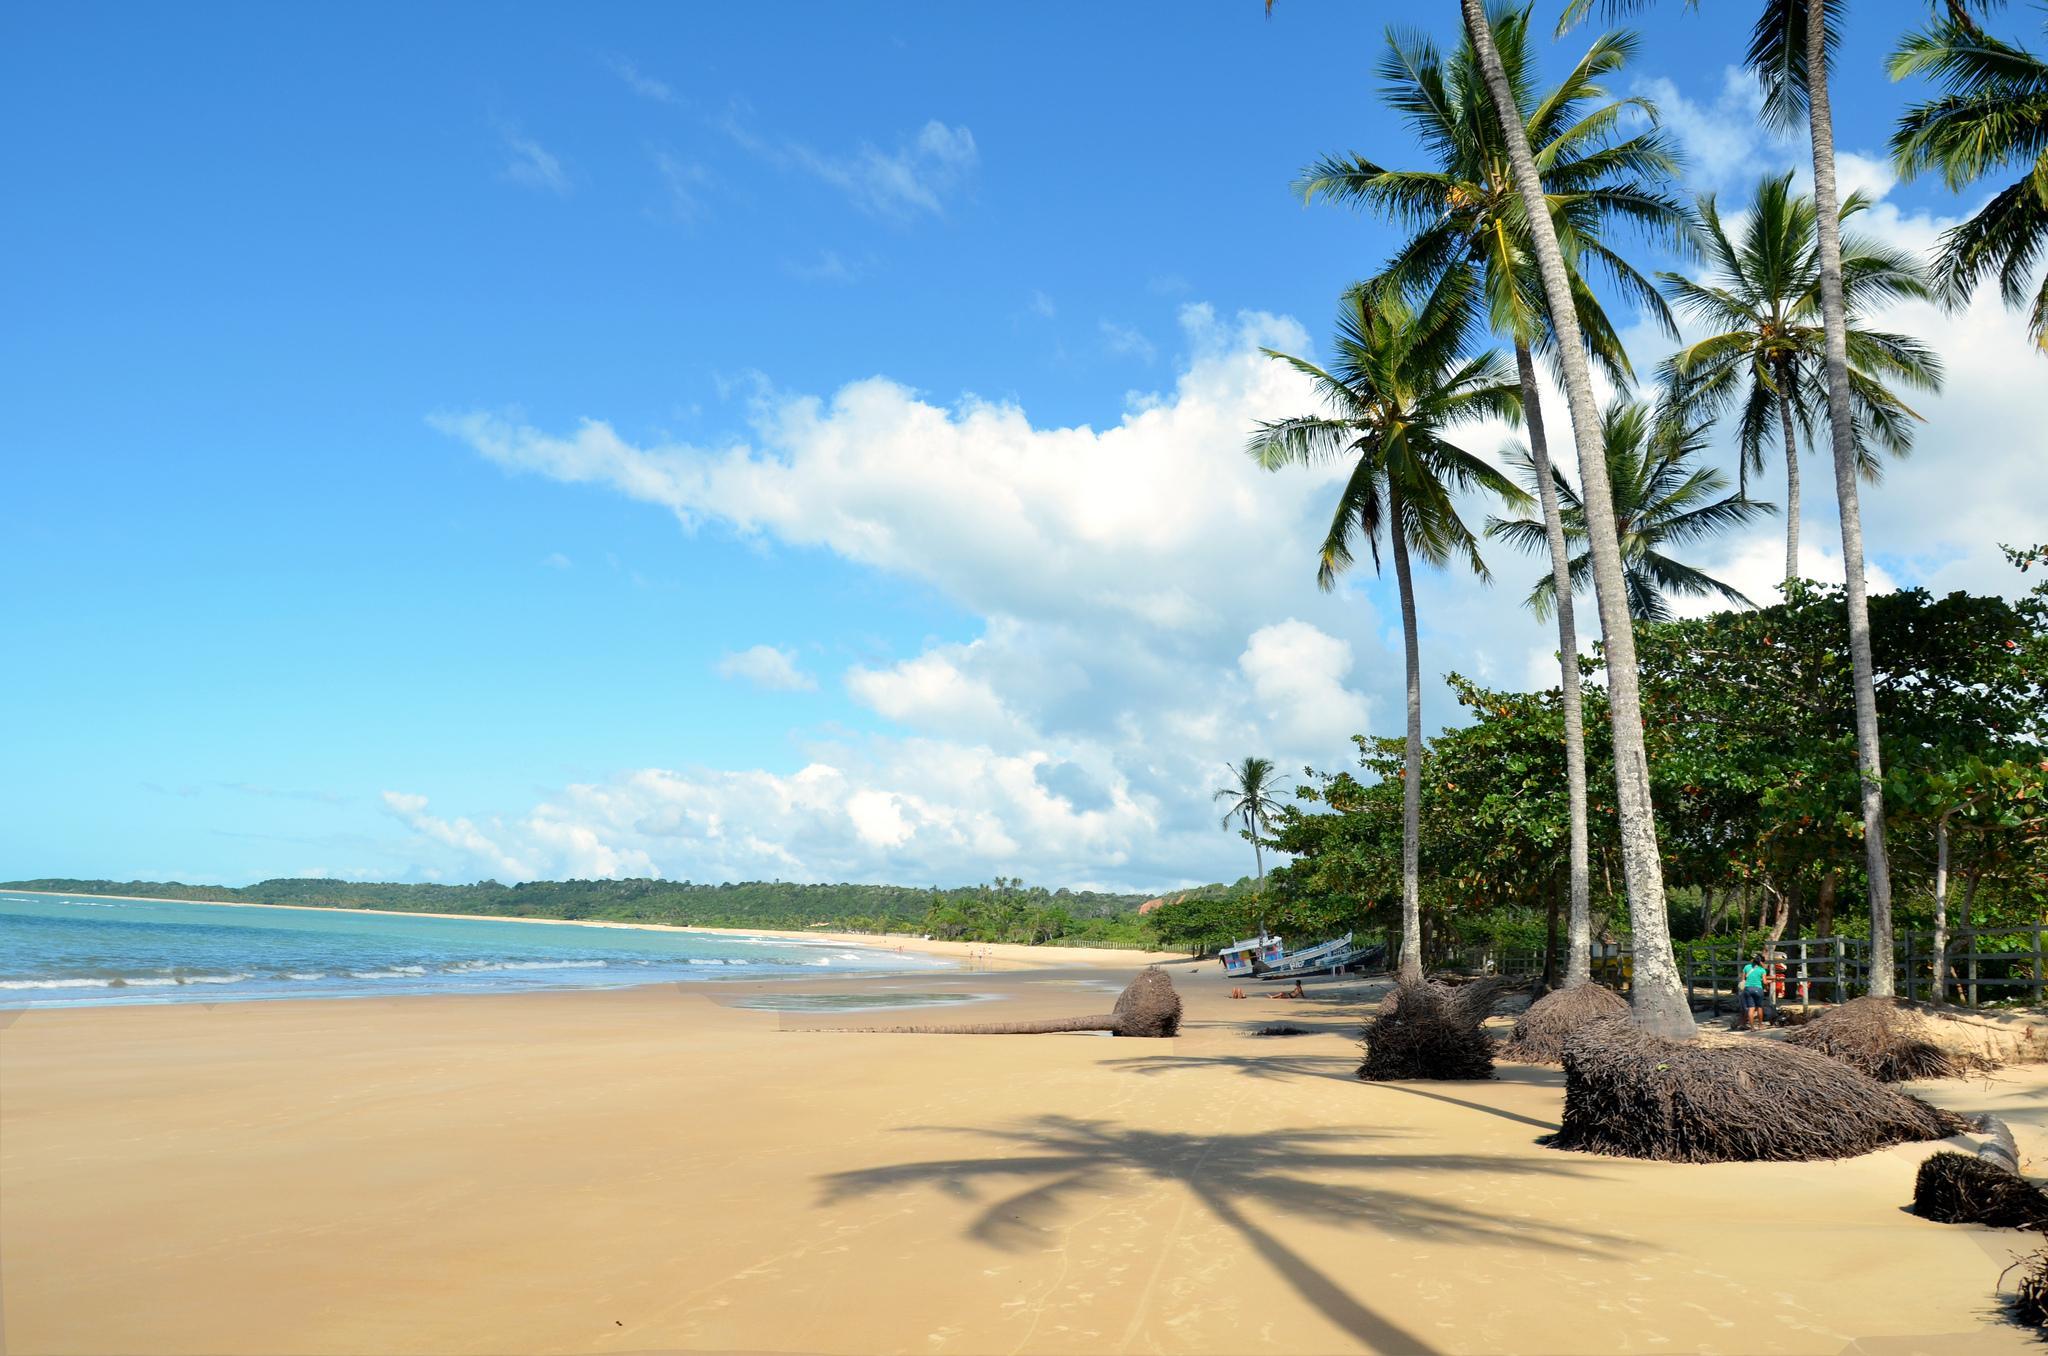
1303 1173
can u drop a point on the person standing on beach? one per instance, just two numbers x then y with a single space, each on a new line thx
1754 976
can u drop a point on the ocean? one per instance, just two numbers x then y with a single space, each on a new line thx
61 950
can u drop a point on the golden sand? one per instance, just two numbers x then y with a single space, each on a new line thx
659 1170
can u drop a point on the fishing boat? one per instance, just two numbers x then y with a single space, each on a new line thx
1251 957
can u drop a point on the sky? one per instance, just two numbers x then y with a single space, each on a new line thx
786 442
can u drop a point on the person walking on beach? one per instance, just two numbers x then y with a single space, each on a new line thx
1754 977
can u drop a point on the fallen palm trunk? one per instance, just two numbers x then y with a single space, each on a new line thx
1634 1095
1430 1031
1540 1033
1148 1007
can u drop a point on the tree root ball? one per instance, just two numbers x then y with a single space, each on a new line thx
1634 1095
1889 1039
1540 1033
2030 1305
1956 1188
1148 1006
1430 1031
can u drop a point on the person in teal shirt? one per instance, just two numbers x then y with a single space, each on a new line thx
1754 977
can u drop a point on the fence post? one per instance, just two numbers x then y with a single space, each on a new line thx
1973 956
2036 987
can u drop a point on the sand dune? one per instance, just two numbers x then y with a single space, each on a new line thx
657 1169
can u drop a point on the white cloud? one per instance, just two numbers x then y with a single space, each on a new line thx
1127 341
768 668
924 171
1042 306
1130 641
555 560
1297 675
642 84
532 165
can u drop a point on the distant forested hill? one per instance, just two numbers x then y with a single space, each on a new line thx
1005 911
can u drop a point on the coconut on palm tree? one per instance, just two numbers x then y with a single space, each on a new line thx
1400 378
1992 116
1252 804
1663 500
1765 353
1657 991
1464 213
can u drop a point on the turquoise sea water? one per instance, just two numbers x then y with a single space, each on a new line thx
68 951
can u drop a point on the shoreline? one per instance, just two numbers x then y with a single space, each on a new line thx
992 955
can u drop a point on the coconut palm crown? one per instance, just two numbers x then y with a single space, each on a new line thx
1992 116
1765 353
1251 802
1464 211
1662 501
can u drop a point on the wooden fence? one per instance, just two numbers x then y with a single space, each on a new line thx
1984 965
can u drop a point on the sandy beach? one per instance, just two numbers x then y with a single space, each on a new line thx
665 1169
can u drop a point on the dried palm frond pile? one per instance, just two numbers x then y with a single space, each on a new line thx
1956 1188
1635 1095
1430 1031
1541 1031
1895 1041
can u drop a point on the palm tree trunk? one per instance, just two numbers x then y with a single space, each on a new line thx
1411 776
1940 907
1578 965
1834 322
1657 993
1791 491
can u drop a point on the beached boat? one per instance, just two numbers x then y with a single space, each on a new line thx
1332 955
1251 957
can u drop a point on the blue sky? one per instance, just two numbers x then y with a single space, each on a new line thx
910 540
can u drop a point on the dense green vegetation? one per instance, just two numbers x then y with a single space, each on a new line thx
1750 727
1006 911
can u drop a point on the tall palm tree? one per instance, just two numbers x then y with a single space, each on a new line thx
1250 783
1400 378
1661 501
1464 213
1657 992
1993 113
1789 51
1766 353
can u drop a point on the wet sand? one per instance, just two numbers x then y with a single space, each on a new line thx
659 1169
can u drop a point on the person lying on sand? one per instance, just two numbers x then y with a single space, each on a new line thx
1293 993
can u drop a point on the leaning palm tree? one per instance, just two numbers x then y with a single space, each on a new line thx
1400 378
1250 783
1993 114
1464 213
1657 992
1662 501
1765 353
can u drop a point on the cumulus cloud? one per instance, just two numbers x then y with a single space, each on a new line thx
768 668
1147 609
